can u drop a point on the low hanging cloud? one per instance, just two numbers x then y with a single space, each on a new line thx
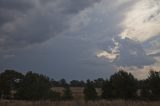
23 23
142 22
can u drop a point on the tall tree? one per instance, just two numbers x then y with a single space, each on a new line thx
9 80
89 91
98 83
144 90
34 87
107 90
154 84
76 83
124 85
67 93
63 83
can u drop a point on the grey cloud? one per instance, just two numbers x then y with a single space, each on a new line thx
105 26
131 53
24 23
156 54
152 46
11 9
152 43
102 22
75 5
62 57
19 5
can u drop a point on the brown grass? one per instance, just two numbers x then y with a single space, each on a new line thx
78 103
76 91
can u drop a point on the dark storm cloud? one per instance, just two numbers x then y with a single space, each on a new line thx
9 9
20 5
24 23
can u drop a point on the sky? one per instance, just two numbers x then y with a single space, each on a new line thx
80 39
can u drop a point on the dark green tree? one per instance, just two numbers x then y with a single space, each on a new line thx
67 93
76 83
9 80
53 95
34 87
98 83
144 90
63 83
124 85
55 83
107 90
154 84
89 91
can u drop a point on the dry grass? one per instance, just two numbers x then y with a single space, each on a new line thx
76 91
79 103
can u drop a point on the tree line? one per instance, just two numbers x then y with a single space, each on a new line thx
121 85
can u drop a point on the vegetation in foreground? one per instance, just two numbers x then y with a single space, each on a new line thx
37 87
79 103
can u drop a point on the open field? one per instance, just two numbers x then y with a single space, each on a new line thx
78 103
76 91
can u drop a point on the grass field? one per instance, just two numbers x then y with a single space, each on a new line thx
76 91
78 103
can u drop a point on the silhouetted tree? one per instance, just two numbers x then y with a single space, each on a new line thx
89 91
144 90
34 87
53 95
67 94
76 83
107 90
9 80
121 85
98 83
55 83
124 85
154 84
63 83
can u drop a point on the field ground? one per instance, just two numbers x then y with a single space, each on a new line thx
78 100
76 91
78 103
